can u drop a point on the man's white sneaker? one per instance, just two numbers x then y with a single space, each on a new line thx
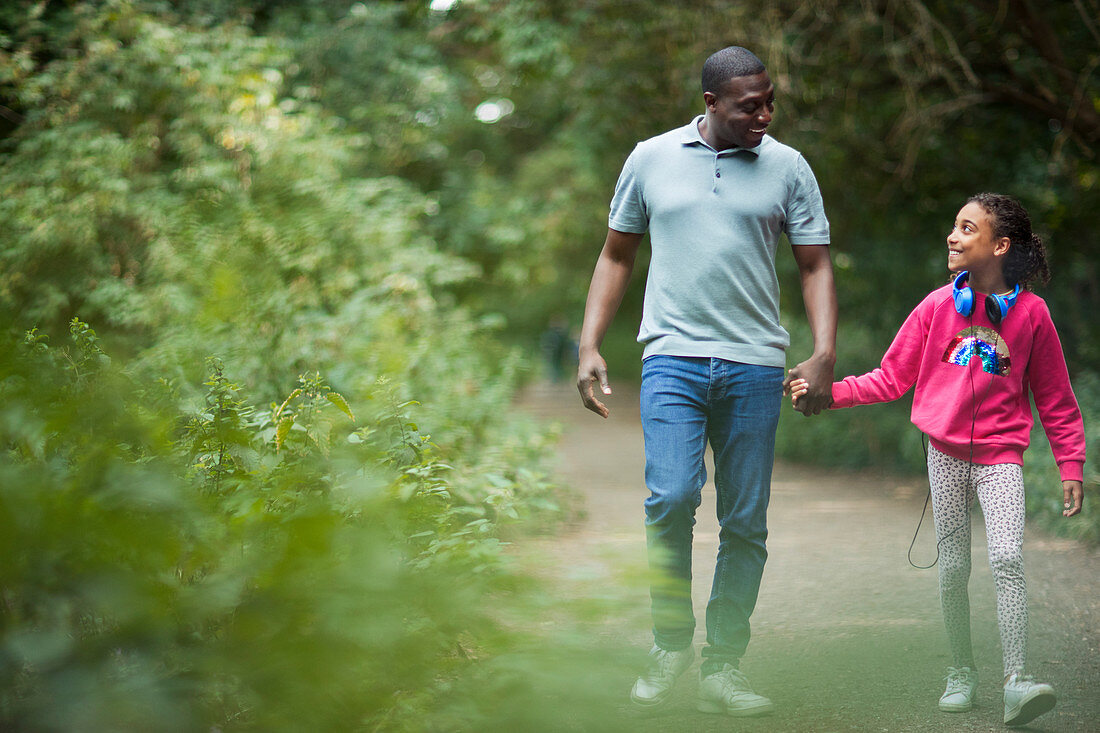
1026 699
729 692
959 695
653 689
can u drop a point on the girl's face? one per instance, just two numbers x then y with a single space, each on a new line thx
971 245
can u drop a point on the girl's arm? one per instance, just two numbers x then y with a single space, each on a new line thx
898 370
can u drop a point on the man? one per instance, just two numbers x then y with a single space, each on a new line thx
714 196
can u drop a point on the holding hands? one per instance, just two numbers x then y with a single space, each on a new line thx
810 385
796 388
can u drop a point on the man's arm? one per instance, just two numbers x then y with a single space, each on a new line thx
819 294
605 293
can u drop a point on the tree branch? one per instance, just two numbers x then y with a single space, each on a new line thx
11 115
1088 20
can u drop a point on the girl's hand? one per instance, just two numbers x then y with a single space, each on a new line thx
797 388
1073 493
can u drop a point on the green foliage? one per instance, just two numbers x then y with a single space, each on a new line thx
219 438
1041 477
297 555
177 569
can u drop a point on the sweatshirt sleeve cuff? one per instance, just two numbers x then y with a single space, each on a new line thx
842 395
1072 470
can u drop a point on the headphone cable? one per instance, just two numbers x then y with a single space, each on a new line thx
969 463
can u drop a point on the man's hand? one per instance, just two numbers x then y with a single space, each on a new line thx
605 293
817 375
592 369
819 293
1073 494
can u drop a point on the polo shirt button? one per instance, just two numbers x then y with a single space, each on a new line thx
717 174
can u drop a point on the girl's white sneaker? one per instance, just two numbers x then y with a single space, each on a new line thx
1026 699
959 695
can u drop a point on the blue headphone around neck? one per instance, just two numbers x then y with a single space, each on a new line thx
996 306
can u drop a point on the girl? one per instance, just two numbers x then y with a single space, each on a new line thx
974 349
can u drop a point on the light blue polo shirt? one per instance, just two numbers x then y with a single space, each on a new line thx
714 220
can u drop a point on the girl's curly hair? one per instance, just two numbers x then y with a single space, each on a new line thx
1026 261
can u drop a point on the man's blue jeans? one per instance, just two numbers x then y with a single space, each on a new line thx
685 402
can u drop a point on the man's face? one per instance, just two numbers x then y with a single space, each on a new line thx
742 111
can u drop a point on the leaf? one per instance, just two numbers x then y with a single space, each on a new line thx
282 430
286 402
338 399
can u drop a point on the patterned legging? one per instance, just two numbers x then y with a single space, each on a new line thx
1000 491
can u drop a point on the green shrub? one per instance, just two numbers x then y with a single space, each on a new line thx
295 566
1041 479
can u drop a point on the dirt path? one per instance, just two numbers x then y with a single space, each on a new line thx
847 636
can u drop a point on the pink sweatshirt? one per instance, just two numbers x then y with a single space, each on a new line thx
959 363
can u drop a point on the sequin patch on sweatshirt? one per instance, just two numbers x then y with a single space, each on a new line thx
983 342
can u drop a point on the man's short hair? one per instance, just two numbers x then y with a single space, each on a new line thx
724 65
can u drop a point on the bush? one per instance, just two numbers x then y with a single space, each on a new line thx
1041 479
279 568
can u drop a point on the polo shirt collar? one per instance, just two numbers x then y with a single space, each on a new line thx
689 135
